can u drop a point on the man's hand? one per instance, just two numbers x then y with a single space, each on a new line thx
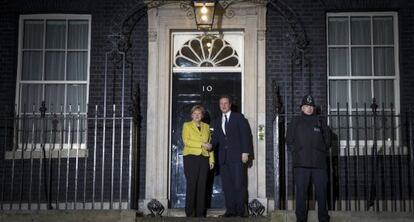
245 157
211 166
206 146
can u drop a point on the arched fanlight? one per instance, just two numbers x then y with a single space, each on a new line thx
206 51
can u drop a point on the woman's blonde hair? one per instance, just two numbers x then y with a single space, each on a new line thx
198 107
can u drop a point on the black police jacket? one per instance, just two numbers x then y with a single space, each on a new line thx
308 138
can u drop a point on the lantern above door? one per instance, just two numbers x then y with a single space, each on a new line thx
204 14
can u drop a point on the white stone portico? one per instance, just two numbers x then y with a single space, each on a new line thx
250 19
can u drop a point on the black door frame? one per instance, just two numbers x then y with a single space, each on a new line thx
238 105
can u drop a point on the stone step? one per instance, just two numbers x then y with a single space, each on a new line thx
347 216
176 215
289 216
207 219
133 216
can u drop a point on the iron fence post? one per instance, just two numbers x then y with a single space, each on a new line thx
411 158
373 191
276 146
276 162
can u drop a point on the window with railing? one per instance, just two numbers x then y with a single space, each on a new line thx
362 67
53 80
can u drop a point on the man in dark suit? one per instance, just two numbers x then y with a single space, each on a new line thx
232 137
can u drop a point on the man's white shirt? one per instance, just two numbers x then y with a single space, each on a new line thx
223 120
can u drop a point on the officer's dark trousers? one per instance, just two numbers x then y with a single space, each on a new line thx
303 177
233 177
195 170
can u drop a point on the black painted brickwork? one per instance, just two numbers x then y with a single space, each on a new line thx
107 17
311 15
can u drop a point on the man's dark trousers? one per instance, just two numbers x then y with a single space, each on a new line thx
232 143
319 177
234 186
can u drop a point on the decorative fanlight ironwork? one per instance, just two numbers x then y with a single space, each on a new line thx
206 51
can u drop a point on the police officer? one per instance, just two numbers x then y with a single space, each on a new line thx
308 138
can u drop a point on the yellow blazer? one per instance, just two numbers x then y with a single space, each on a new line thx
193 138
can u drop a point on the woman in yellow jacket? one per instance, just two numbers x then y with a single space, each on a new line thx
198 158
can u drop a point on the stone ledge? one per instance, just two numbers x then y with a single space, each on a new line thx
132 216
69 216
347 216
37 154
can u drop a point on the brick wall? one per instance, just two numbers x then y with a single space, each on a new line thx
311 15
107 18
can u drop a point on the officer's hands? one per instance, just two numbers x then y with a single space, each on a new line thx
245 157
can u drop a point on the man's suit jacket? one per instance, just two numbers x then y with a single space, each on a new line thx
236 140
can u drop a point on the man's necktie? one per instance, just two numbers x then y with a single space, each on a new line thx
226 123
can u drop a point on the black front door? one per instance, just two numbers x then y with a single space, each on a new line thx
189 89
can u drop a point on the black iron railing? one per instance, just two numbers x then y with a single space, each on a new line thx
74 160
370 161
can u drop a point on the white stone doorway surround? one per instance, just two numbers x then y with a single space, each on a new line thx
248 18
